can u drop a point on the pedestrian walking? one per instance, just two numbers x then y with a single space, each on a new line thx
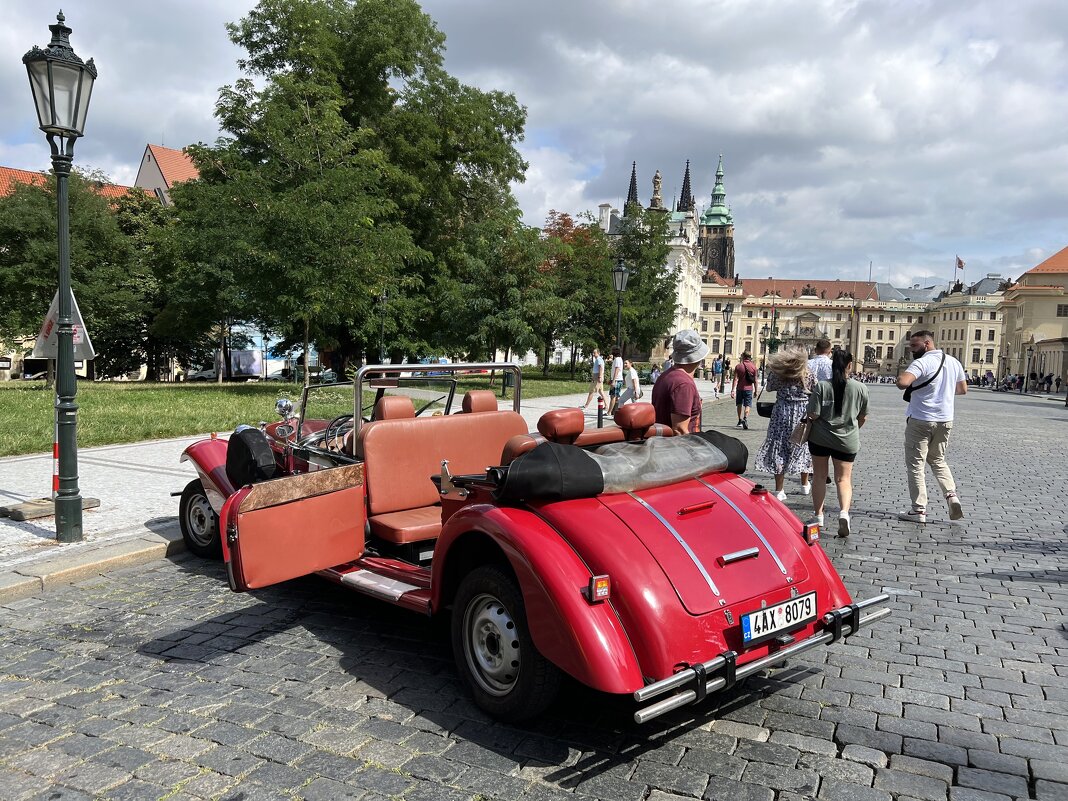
655 374
616 385
837 408
632 389
596 377
743 386
1058 383
675 398
931 382
789 379
819 366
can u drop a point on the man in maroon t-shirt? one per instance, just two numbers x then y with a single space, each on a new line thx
675 397
743 387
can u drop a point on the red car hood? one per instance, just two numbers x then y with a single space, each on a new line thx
689 527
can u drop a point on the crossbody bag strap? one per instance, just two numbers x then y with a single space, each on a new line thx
922 384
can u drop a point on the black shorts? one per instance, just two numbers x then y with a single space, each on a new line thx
819 450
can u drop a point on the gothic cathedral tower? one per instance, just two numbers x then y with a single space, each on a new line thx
716 234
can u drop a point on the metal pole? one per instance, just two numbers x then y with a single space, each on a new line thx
619 322
69 499
382 336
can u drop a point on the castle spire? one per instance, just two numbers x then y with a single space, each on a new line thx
632 193
687 202
718 213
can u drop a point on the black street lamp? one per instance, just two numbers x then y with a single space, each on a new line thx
1027 370
728 310
620 274
62 85
763 346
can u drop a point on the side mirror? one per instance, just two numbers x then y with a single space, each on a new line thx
284 408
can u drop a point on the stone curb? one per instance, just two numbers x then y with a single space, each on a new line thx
59 570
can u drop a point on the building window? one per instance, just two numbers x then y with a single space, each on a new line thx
749 313
838 318
717 307
975 354
667 344
867 333
880 318
764 315
869 318
749 346
704 307
715 326
993 315
749 330
989 356
1062 309
893 317
908 319
730 327
728 347
990 335
879 352
978 335
715 346
838 333
880 334
704 325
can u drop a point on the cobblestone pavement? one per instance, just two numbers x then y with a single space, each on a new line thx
159 682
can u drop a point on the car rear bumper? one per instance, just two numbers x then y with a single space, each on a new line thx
696 681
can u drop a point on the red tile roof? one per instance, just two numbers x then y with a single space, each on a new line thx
9 177
1057 263
758 287
175 165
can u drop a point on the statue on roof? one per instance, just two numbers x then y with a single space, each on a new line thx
808 290
657 201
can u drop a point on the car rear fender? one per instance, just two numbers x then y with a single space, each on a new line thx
585 640
209 458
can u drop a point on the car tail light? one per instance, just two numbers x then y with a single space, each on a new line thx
811 532
599 590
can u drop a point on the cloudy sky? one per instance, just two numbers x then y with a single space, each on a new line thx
893 133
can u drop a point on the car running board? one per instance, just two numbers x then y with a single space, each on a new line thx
700 677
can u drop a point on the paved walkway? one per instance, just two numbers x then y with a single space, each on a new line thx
158 682
137 517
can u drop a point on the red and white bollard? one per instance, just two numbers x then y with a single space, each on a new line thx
600 411
55 457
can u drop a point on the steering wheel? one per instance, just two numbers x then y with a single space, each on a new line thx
334 433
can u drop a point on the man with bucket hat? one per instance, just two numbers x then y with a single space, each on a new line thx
675 397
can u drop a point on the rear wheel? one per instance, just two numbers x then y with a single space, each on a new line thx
493 648
199 523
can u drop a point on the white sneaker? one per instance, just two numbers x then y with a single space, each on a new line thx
956 512
843 524
781 495
819 520
914 516
806 489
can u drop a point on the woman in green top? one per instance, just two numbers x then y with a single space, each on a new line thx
837 408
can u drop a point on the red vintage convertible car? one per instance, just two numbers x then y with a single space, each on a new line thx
636 562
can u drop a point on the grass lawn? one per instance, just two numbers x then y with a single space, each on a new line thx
111 413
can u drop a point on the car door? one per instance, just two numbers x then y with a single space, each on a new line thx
293 526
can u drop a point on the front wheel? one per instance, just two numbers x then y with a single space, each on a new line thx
493 648
200 524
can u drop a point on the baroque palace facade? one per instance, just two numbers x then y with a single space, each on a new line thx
988 325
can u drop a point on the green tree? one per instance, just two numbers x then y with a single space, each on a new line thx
650 299
111 284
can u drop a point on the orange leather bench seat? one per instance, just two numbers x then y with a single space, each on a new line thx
635 421
400 456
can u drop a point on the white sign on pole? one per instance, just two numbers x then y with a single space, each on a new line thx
47 344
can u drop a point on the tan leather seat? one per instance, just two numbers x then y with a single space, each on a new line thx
635 421
393 407
562 425
400 456
479 400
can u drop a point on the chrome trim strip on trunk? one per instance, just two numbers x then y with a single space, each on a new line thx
749 523
681 541
738 556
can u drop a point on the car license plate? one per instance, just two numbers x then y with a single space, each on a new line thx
764 623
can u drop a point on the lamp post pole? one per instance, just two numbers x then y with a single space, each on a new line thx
728 310
382 336
763 349
62 85
620 274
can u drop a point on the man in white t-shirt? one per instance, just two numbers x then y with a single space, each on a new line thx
596 377
819 366
632 389
934 378
615 389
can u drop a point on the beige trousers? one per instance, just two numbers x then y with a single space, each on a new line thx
926 442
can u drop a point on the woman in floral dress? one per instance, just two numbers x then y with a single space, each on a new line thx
790 380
